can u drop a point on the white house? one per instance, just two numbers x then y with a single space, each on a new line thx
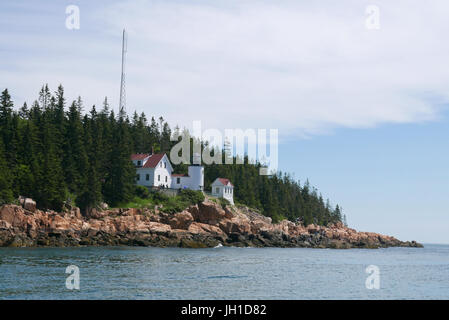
152 170
223 188
155 170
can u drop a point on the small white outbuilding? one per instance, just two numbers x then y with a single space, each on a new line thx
223 188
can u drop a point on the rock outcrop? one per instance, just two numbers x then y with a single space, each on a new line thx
204 225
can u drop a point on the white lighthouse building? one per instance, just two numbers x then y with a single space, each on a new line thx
223 188
155 170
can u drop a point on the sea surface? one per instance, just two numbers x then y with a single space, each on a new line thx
225 273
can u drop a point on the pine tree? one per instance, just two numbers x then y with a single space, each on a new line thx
75 158
6 195
6 128
119 184
24 112
89 193
49 151
51 186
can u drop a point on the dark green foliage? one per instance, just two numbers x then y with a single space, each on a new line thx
6 195
191 196
158 197
56 156
183 200
141 192
119 179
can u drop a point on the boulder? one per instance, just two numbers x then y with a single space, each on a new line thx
202 228
22 200
181 220
95 214
5 225
76 212
29 204
235 225
159 227
208 212
311 228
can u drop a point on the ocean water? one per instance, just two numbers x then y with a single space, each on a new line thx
224 273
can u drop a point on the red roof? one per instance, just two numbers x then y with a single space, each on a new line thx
225 181
139 156
154 160
179 175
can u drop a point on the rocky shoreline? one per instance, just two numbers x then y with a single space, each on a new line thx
203 225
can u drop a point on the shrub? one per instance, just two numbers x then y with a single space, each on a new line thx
191 196
174 204
276 218
182 201
141 192
159 198
224 202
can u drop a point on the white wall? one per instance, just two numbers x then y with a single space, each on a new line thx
196 175
163 172
143 172
221 192
165 176
184 182
194 181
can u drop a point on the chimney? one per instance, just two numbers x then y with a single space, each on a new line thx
152 149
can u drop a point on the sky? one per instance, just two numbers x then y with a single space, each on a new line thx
359 97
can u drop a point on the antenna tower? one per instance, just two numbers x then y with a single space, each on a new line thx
122 105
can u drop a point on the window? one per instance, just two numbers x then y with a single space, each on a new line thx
139 163
217 190
161 165
166 178
178 180
158 177
138 177
148 177
165 164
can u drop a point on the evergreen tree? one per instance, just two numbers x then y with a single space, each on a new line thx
51 187
120 179
75 158
46 152
6 195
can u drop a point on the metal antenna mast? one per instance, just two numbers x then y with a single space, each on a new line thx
122 106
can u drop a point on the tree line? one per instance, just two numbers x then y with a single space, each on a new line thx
62 155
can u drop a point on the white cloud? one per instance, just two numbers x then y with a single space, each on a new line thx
302 68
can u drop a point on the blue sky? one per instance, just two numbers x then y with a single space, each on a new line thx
362 113
392 179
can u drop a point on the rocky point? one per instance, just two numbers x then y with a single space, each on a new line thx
204 225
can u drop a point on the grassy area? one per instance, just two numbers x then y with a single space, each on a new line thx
167 204
139 203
